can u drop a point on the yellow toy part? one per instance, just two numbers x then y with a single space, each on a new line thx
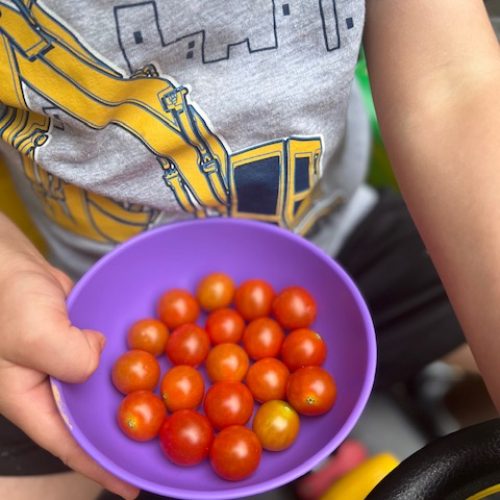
357 484
485 493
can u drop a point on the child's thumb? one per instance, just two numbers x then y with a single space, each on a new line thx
65 352
79 355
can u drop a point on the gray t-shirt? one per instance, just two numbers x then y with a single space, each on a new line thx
120 115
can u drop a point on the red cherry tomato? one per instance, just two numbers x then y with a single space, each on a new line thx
263 338
253 299
177 307
188 345
182 388
235 453
267 379
215 291
228 403
135 371
276 424
225 325
294 308
227 363
303 347
141 415
148 335
186 437
311 390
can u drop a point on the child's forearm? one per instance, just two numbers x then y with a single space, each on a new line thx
435 71
455 201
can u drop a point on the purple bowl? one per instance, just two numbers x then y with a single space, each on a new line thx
125 285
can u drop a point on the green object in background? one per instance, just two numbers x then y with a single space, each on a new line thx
380 173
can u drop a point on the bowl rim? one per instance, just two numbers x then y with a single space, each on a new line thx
252 489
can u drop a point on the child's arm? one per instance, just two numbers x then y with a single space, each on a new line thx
36 339
435 70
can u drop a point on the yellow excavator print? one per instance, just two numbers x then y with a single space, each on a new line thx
40 53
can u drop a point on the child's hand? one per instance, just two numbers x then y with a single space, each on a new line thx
36 340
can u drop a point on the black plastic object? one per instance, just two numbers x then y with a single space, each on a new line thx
453 467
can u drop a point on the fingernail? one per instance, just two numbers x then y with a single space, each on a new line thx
130 496
129 493
102 342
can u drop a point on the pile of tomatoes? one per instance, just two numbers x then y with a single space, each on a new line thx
255 347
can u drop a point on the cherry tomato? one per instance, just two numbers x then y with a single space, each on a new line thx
227 363
148 335
135 371
294 308
225 325
215 291
228 403
267 379
254 299
182 388
276 424
235 453
303 347
186 437
177 307
141 415
311 390
263 338
188 345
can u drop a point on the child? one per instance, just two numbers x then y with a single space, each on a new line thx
121 116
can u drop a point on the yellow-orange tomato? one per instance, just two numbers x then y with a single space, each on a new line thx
182 388
135 371
227 363
276 424
215 291
148 335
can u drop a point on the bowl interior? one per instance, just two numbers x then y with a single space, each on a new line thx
125 285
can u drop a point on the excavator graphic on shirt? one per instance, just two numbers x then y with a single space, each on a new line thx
40 53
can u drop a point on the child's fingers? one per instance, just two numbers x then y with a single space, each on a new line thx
46 427
36 331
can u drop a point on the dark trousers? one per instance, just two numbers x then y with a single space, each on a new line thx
413 319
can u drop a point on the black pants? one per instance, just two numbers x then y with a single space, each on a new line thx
414 322
413 319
